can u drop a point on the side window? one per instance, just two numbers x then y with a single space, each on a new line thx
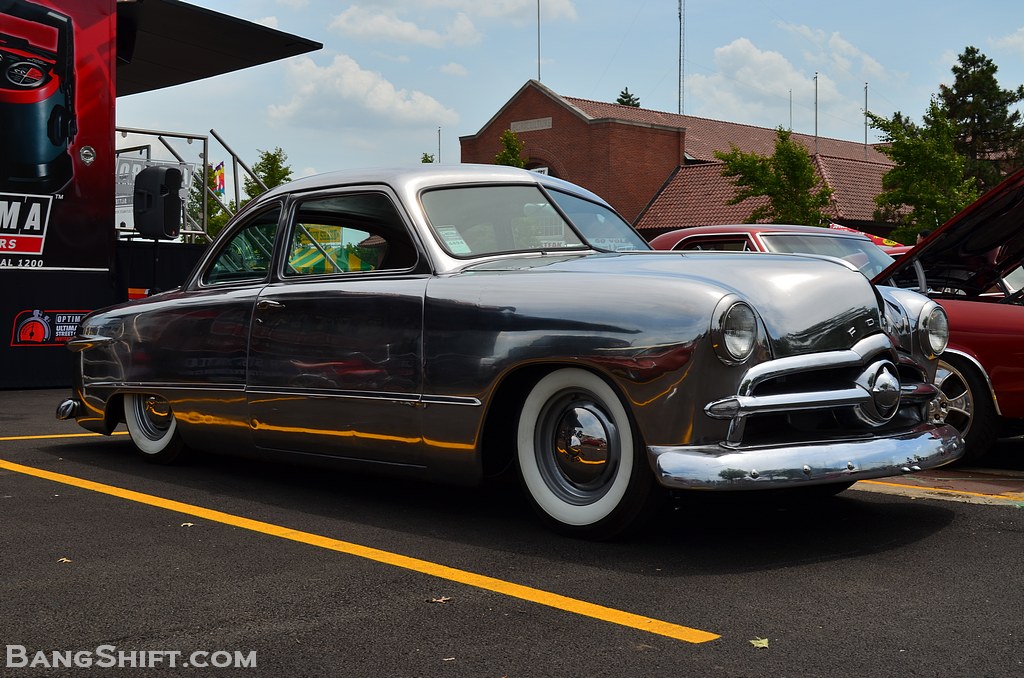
246 256
347 234
721 244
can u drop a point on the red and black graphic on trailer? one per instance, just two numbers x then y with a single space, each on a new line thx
57 65
37 101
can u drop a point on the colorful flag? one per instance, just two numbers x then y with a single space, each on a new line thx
218 174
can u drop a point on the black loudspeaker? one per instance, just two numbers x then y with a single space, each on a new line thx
157 207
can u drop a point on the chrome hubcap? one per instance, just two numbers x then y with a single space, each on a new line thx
154 416
577 448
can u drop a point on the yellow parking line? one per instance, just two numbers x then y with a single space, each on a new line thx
526 593
1012 496
8 439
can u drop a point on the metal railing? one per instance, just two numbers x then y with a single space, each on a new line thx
195 219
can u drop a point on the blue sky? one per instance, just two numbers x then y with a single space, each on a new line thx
392 72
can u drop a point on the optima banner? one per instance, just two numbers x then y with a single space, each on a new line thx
57 69
57 65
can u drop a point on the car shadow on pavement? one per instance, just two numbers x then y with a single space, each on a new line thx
699 534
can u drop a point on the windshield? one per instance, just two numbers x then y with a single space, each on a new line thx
472 221
603 228
865 255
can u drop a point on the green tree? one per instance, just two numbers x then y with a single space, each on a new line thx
628 99
988 132
271 168
511 150
216 217
427 158
927 185
796 195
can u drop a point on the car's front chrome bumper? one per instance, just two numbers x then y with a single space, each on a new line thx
720 468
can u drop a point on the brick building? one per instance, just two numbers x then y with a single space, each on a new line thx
658 169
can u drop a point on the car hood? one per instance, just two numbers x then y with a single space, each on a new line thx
979 245
807 304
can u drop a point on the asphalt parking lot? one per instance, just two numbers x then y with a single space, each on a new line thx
311 572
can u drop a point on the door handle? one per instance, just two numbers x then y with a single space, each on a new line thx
268 304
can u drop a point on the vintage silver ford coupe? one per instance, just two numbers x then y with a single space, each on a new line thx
453 322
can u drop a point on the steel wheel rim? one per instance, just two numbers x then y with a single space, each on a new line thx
957 396
577 448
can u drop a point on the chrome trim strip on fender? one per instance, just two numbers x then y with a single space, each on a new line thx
405 398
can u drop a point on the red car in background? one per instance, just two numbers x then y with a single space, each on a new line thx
971 266
851 246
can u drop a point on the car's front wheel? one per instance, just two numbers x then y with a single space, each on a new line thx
971 411
580 458
153 428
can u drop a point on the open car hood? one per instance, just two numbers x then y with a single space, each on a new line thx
974 249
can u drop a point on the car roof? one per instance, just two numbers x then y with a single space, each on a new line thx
425 175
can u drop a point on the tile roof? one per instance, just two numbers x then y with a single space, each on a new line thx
705 136
696 195
855 183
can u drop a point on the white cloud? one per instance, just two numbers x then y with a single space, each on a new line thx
517 11
394 58
455 69
344 95
439 23
268 21
1013 42
753 86
374 24
836 55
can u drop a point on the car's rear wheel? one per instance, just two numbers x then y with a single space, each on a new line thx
580 458
971 411
153 428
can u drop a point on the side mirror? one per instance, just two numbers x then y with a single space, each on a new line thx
157 205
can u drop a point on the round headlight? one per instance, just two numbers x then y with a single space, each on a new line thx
934 329
736 331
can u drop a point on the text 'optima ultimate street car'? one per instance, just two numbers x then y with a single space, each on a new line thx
450 322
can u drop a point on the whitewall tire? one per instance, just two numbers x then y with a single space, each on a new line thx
153 428
580 459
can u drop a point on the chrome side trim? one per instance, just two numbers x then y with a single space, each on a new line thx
713 467
405 398
452 400
410 398
151 386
